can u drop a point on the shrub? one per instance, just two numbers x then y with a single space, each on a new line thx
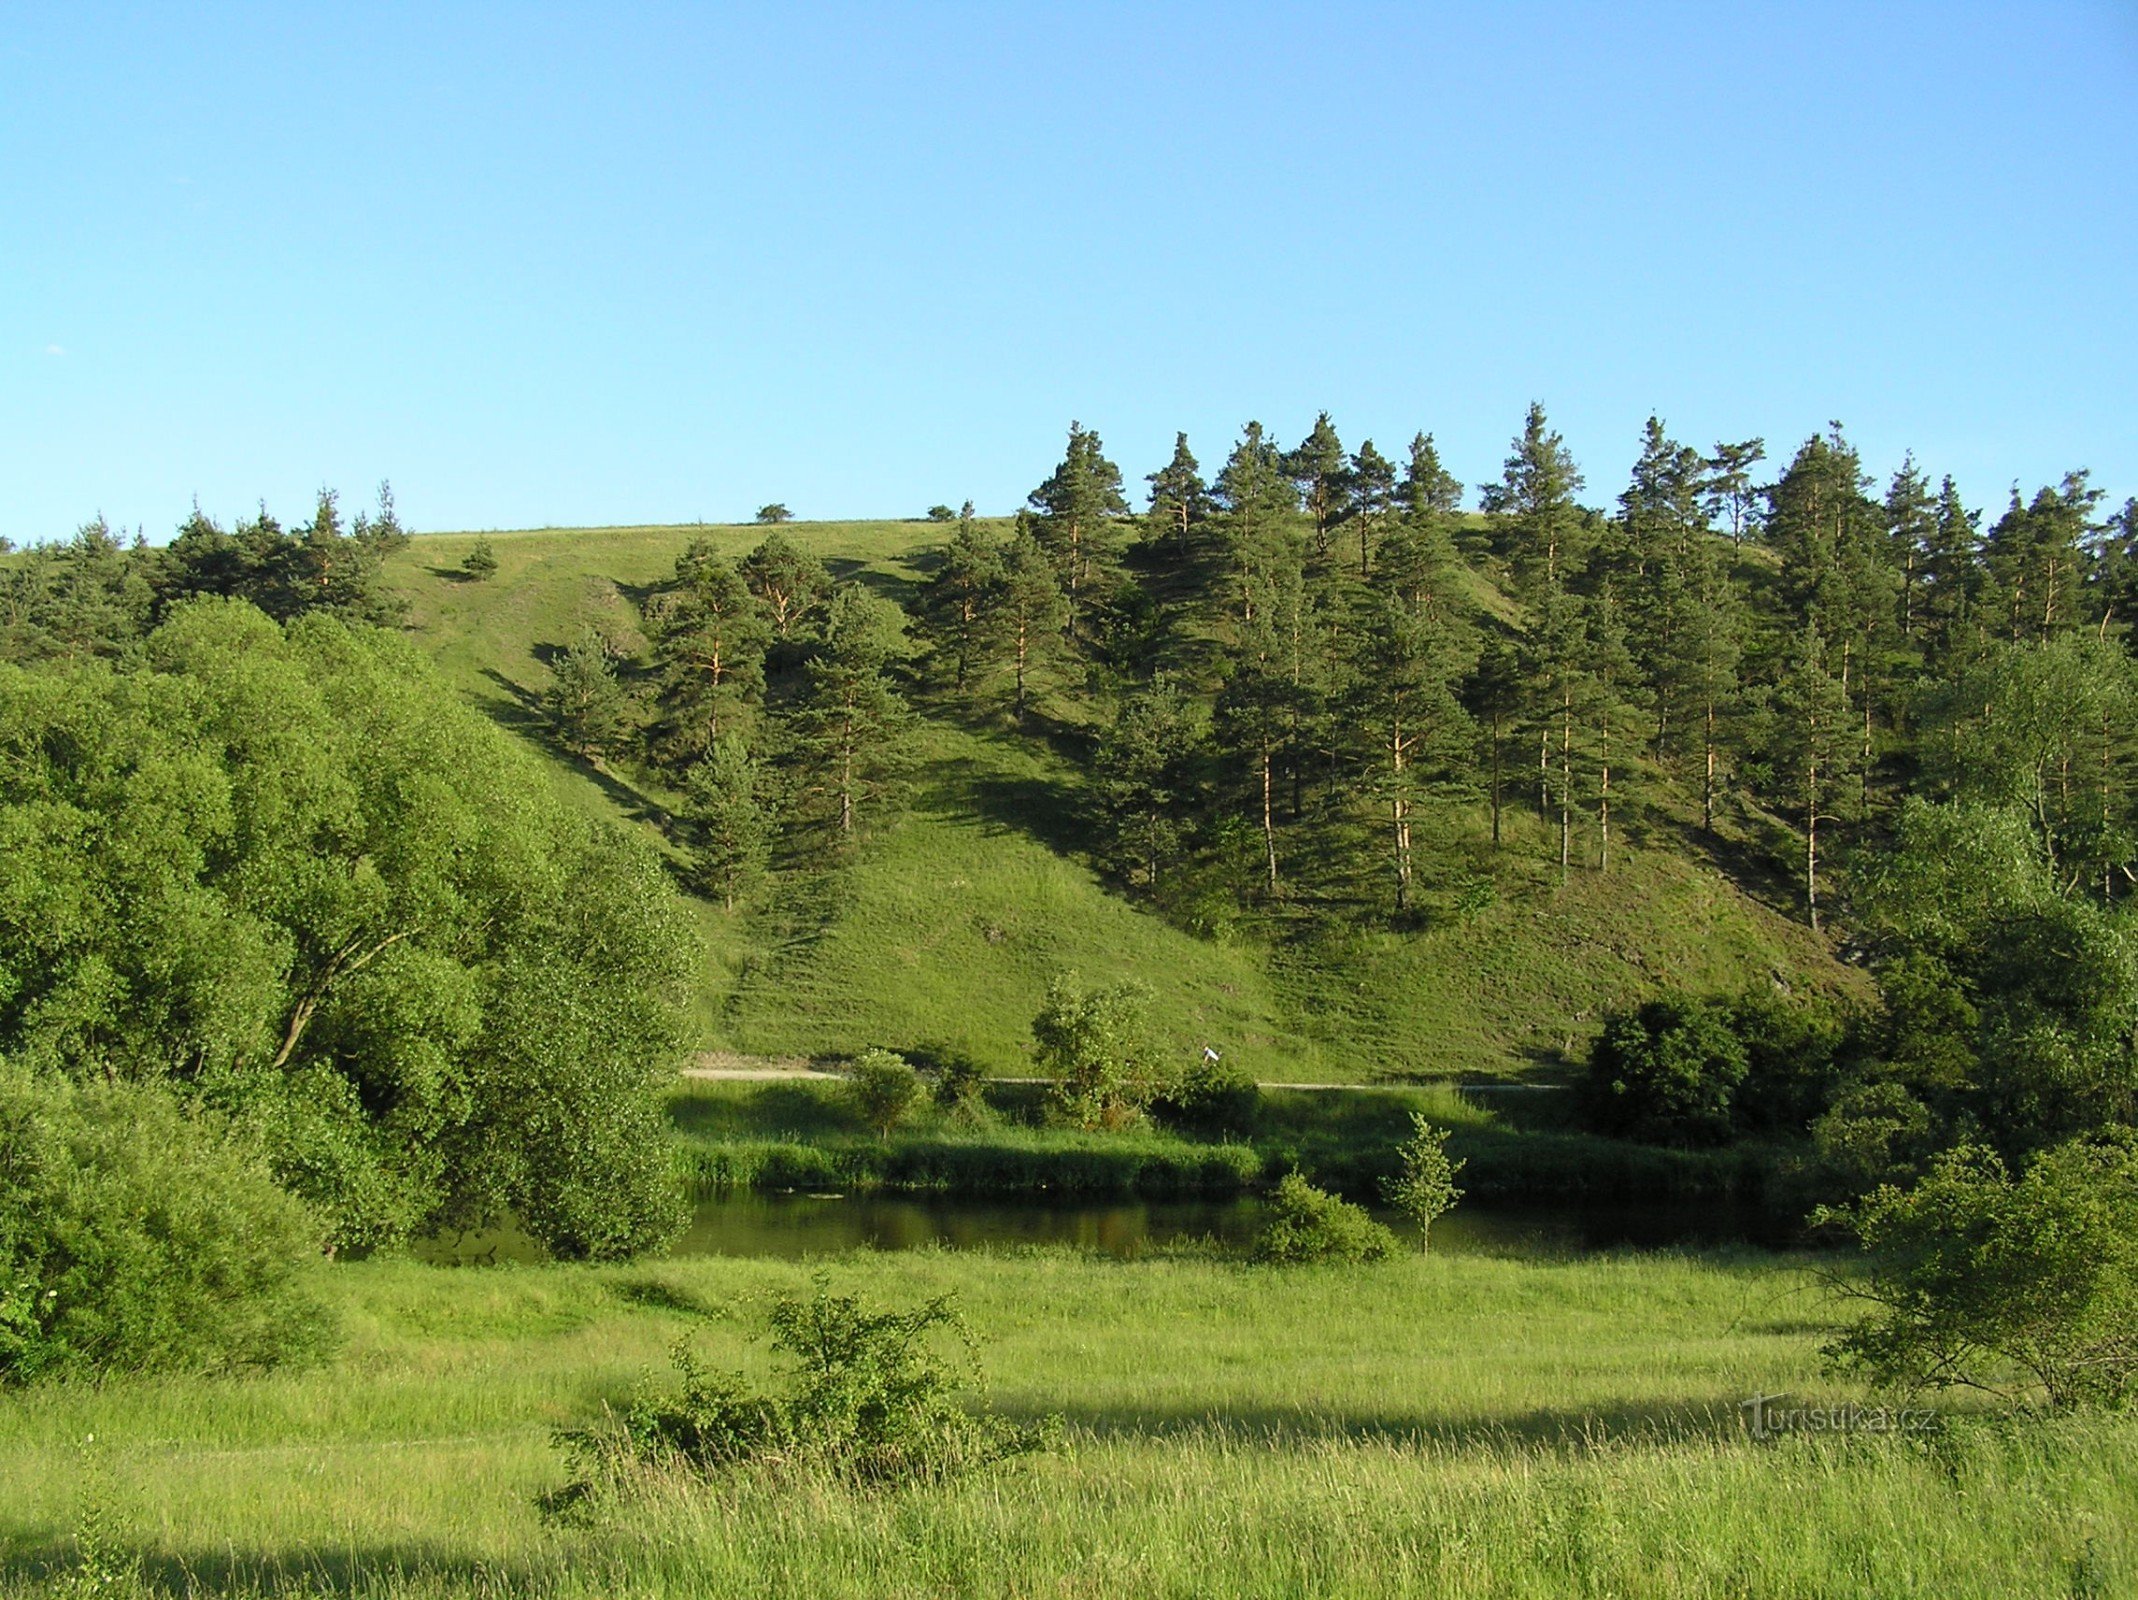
1310 1224
883 1088
1097 1045
1211 1099
1425 1187
2016 1286
1667 1073
869 1399
960 1083
135 1236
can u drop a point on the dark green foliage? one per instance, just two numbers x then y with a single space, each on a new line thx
1318 468
867 1398
774 513
942 513
480 563
789 583
1424 1187
1305 1224
710 638
2023 1285
960 602
294 876
848 720
137 1236
1141 771
1666 1073
1179 498
1211 1099
585 698
884 1088
1074 514
728 819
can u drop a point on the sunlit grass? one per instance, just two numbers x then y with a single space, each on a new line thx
1466 1425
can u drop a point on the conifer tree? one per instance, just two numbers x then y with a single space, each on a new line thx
480 563
1538 526
1369 498
960 593
1911 527
1140 770
850 717
1666 545
1258 506
790 584
710 638
1317 469
1728 492
1028 612
1179 498
727 814
585 699
1075 510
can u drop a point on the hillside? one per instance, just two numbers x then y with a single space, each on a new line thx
969 893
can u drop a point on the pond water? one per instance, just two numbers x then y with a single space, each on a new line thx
790 1226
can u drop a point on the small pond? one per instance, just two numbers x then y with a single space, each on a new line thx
748 1223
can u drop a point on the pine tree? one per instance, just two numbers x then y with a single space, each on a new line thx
1494 693
1179 498
728 818
960 593
1813 747
1912 528
1538 525
1728 491
710 638
790 584
1317 469
1140 772
585 699
849 716
2035 558
1952 573
1666 543
1258 507
1414 734
1076 508
480 563
1369 497
1028 613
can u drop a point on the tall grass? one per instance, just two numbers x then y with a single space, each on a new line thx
1459 1426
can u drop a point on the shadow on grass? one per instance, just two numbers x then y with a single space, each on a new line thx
520 710
1581 1430
59 1566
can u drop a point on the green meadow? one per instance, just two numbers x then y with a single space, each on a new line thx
1450 1426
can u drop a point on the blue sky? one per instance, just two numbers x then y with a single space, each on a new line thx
543 266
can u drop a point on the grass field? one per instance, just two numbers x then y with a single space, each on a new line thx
972 889
1449 1426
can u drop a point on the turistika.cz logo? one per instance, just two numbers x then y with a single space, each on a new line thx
1765 1418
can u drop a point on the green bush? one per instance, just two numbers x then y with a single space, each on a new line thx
884 1088
2024 1286
1309 1224
1667 1073
869 1399
1097 1044
135 1236
1213 1100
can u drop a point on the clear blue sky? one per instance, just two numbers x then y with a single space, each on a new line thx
539 265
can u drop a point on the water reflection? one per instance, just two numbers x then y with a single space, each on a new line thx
791 1226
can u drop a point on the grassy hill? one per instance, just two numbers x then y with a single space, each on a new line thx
970 893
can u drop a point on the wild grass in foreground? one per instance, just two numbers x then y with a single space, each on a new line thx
1457 1426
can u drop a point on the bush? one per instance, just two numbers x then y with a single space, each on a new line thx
1097 1045
960 1082
135 1237
1667 1073
2017 1286
883 1088
1213 1100
869 1400
1425 1187
1310 1224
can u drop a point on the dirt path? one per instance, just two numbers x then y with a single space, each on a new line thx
720 1066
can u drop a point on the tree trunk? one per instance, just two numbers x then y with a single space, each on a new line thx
1495 780
1707 786
1269 817
1566 784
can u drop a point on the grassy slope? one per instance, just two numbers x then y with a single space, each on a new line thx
1466 1426
948 925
